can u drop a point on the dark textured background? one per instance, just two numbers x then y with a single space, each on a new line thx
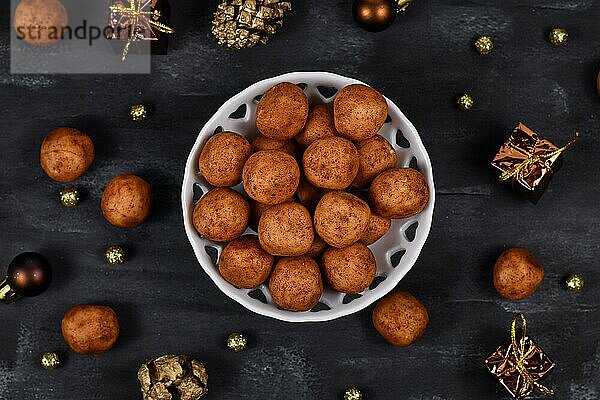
166 303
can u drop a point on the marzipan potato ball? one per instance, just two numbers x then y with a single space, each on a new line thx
319 125
349 270
399 193
126 201
262 142
296 283
307 194
271 176
341 218
282 111
221 215
317 248
90 329
517 274
286 230
376 229
359 112
375 155
244 264
400 318
256 211
40 22
331 163
66 153
223 157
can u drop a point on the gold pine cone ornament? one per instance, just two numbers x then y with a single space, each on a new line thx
239 24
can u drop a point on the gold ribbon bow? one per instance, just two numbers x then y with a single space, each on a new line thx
518 170
139 17
520 354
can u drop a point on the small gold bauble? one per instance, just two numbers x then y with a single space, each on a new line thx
69 197
484 45
114 255
50 360
237 342
353 393
558 36
465 102
575 282
138 112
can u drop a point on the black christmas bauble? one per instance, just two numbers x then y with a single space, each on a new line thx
374 15
29 274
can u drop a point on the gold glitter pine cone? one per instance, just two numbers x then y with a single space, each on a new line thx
172 377
69 197
239 24
465 102
50 360
114 255
353 393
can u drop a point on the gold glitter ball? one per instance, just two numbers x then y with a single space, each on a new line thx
484 45
138 112
575 282
69 197
558 36
465 102
50 360
237 342
353 393
114 255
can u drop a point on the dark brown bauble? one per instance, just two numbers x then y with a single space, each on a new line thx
286 230
318 126
282 111
296 283
375 155
349 270
221 215
359 111
127 201
244 264
262 142
330 163
399 193
29 274
40 22
66 153
517 274
271 176
376 229
341 218
400 318
223 157
374 15
90 329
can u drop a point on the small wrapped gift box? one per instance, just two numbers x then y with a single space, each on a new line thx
520 364
528 161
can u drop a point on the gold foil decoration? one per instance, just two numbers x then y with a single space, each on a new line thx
173 377
239 24
50 360
484 44
403 5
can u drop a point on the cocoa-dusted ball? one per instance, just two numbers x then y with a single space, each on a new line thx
517 274
40 22
282 111
223 157
341 218
318 126
331 163
400 318
244 264
256 211
286 230
399 193
262 142
317 248
271 176
90 329
296 283
307 194
376 229
221 215
375 155
349 270
359 112
66 153
126 201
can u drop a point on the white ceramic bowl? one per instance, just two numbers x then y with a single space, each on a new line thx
401 238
